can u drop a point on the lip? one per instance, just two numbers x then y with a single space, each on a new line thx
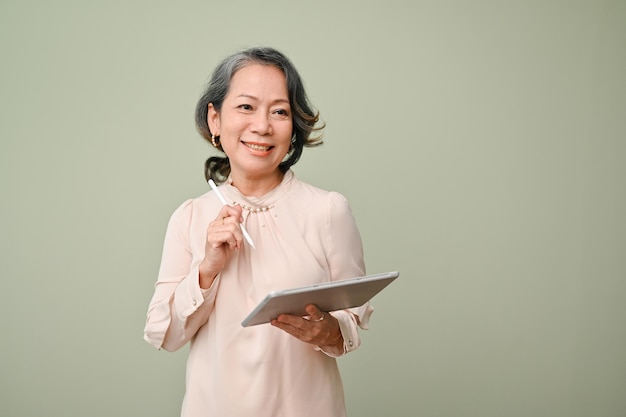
257 148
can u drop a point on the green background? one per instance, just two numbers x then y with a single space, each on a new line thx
482 145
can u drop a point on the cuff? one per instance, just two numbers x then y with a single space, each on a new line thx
349 332
189 296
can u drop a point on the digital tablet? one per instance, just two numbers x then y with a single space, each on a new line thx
328 296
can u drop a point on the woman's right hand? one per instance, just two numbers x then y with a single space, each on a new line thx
223 238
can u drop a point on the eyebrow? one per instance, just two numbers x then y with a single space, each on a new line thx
280 100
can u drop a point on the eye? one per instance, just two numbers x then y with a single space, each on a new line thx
282 113
245 107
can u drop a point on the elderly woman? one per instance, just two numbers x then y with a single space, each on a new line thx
255 110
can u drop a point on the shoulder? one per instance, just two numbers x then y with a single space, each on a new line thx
327 201
304 188
204 204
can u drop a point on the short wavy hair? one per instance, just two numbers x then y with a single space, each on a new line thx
304 117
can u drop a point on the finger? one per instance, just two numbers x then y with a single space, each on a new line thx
302 329
315 313
298 325
229 218
293 326
291 320
224 237
231 211
228 234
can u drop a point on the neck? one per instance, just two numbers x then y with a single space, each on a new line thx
256 186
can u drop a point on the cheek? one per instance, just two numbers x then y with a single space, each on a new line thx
287 133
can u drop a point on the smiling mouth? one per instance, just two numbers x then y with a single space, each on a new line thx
255 147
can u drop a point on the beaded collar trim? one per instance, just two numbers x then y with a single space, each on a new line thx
254 209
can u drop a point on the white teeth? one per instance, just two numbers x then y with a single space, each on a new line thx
257 147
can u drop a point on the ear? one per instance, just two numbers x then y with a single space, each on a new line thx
213 120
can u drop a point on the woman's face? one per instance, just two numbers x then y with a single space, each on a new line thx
254 124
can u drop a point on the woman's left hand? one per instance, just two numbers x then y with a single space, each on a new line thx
320 329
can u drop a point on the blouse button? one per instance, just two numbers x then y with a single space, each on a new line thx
194 302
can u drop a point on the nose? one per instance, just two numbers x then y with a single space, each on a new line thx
261 124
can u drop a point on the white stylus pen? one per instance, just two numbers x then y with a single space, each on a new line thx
223 200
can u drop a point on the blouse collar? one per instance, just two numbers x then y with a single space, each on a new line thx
268 199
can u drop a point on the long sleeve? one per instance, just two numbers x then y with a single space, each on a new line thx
303 235
345 257
179 307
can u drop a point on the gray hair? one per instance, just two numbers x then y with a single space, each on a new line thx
304 117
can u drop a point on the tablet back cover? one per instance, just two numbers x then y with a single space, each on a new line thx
328 296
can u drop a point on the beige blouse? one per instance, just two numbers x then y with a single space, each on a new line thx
303 235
